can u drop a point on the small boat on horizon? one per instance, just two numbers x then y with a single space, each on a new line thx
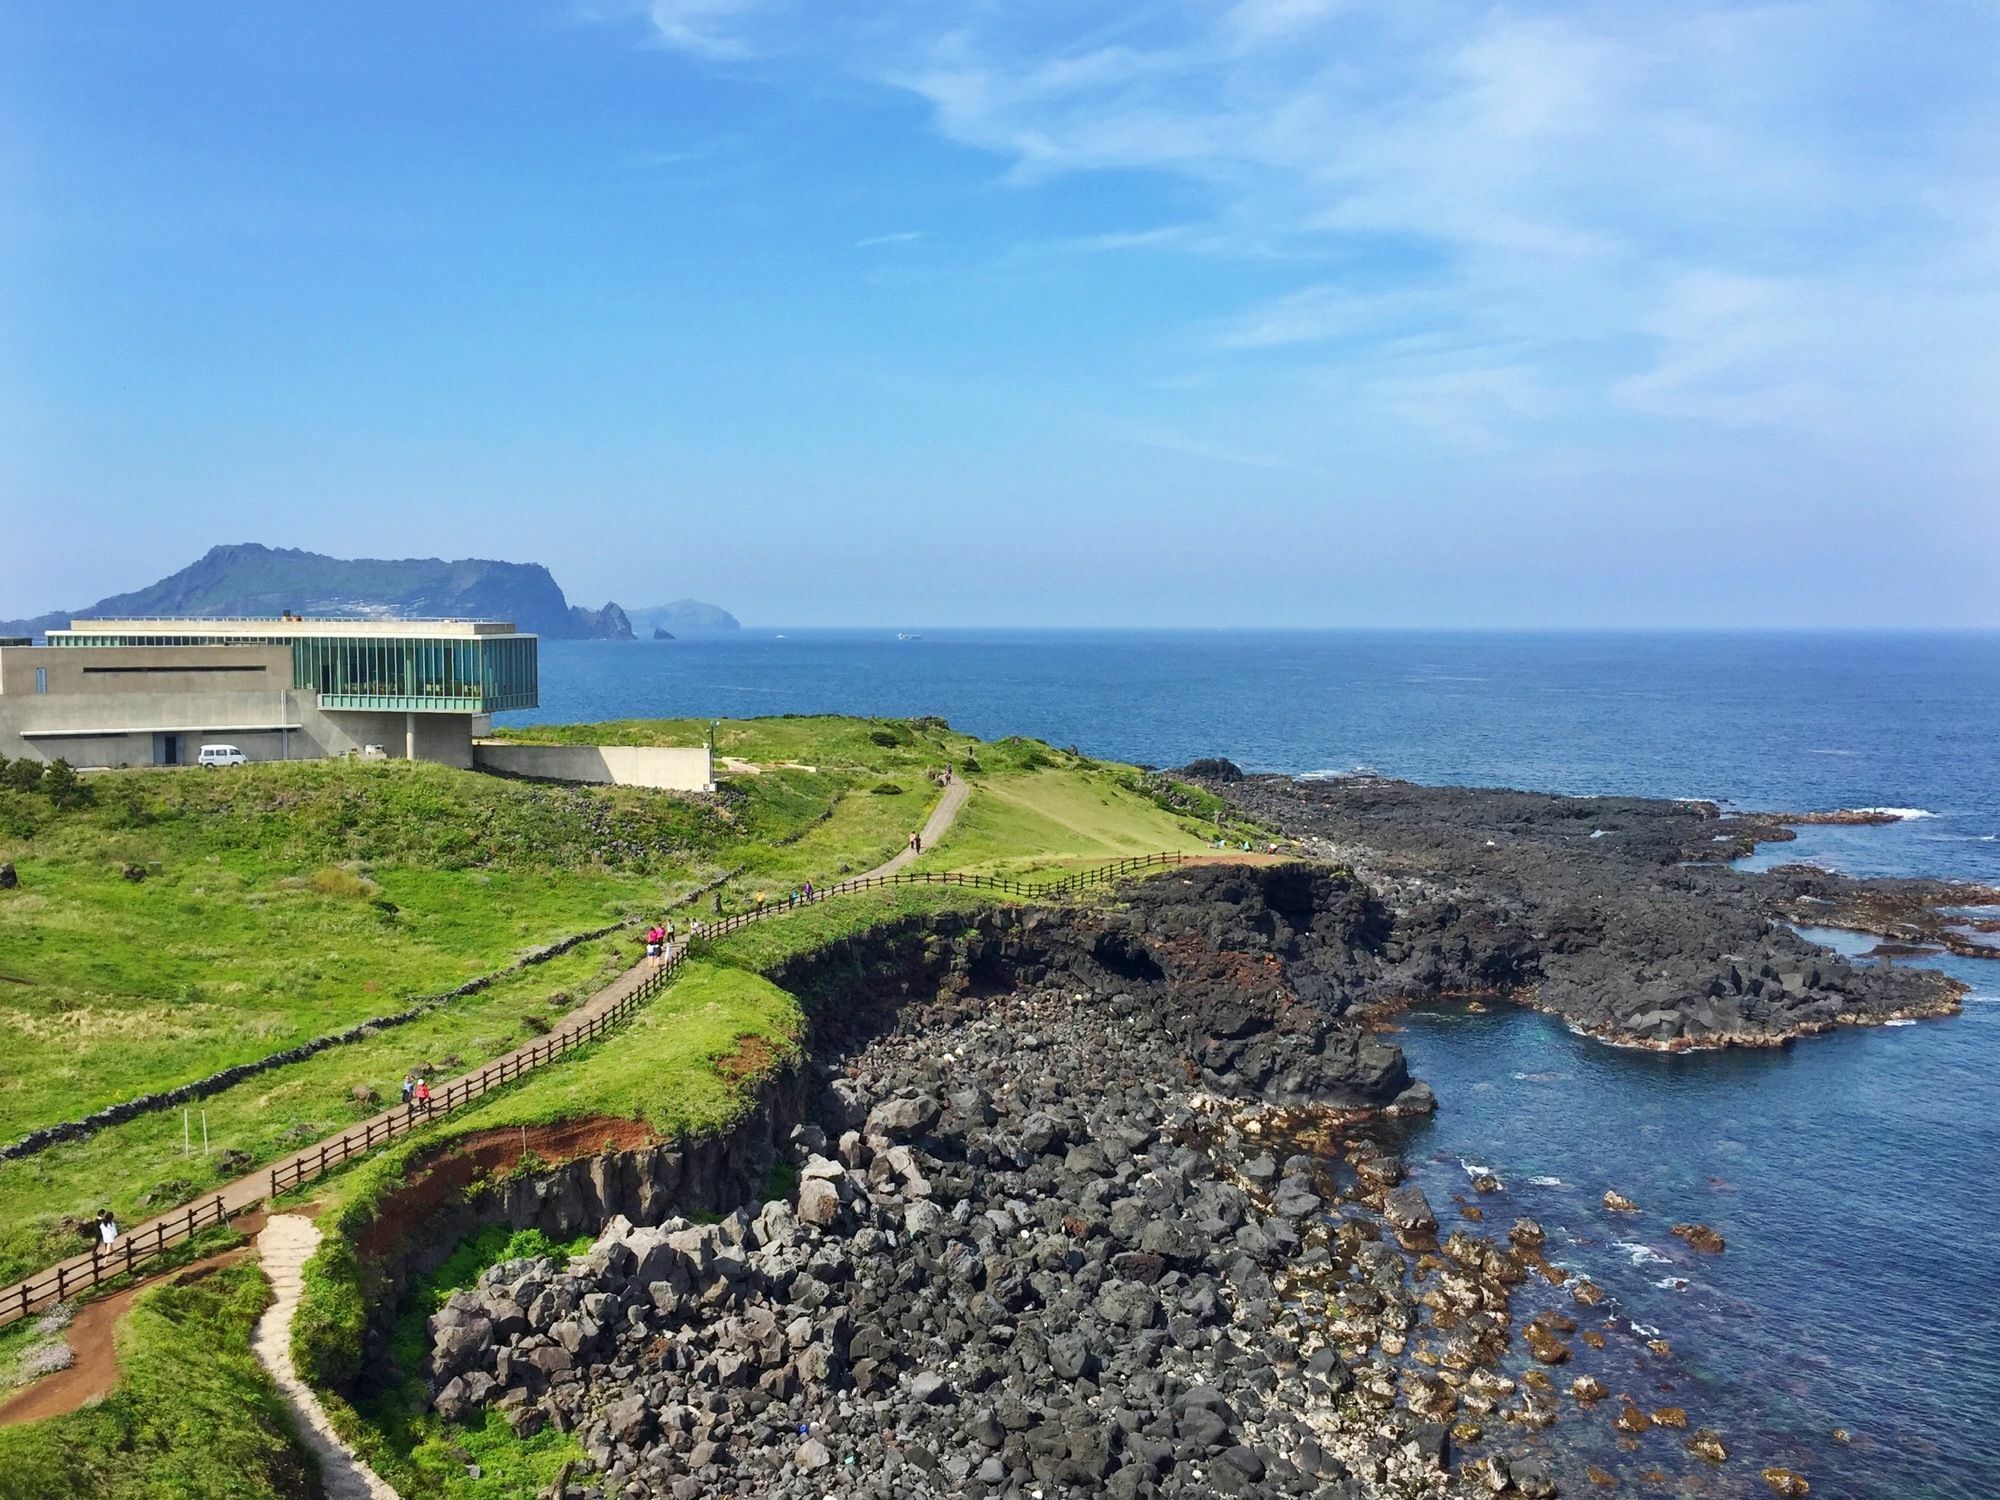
908 635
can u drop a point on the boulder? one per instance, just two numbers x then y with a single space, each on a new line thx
1409 1210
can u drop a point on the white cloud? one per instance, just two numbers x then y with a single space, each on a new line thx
713 29
900 237
1765 217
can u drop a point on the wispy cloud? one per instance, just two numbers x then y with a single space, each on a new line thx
900 237
1764 216
713 29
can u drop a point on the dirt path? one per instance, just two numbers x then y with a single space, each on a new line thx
92 1338
284 1246
934 828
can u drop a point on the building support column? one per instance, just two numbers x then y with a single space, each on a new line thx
409 736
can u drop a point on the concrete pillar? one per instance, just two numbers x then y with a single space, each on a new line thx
409 736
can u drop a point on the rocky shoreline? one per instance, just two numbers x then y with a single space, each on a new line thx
1085 1203
1621 915
1095 1202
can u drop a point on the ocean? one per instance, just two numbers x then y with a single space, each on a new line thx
1853 1176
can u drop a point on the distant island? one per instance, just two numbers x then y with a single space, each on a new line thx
682 617
248 578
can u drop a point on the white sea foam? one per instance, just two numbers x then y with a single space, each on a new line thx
1900 1021
1645 1330
1900 814
1641 1255
1548 1182
1597 833
1352 773
1672 1283
1473 1169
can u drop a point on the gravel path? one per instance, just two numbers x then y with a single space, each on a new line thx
284 1246
934 827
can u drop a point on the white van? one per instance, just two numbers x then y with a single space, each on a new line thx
221 755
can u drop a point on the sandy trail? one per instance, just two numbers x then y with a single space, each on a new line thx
284 1246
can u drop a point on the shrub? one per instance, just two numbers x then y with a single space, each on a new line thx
886 789
63 787
24 775
884 738
332 1317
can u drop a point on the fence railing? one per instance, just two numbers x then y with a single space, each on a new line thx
84 1272
81 1273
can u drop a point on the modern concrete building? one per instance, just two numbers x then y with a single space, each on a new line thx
152 692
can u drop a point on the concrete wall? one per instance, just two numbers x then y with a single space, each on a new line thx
133 671
673 770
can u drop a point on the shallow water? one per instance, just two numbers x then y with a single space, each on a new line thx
1851 1177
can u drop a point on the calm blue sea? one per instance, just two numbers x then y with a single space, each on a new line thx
1856 1177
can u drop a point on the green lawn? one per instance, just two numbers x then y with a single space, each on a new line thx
1043 819
661 1068
138 1167
193 1416
284 902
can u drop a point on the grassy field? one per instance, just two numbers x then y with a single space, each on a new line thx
193 1416
283 902
138 1167
1059 816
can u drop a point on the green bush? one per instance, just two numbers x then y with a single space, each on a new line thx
886 789
64 788
24 775
332 1317
884 738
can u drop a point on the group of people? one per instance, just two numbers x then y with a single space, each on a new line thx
416 1093
660 943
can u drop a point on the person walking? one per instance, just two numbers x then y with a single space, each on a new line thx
653 937
423 1095
409 1088
106 1234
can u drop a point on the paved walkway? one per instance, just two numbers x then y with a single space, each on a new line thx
284 1246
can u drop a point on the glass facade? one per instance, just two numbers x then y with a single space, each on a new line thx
401 674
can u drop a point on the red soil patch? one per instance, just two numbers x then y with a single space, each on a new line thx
92 1338
753 1057
489 1153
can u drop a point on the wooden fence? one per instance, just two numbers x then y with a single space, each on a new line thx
84 1272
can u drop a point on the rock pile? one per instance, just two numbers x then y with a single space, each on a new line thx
1023 1253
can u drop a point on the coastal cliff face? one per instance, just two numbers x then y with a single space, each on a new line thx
1050 1225
1618 914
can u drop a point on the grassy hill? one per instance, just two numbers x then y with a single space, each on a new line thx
279 903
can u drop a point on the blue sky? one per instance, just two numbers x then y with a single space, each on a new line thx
1281 312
